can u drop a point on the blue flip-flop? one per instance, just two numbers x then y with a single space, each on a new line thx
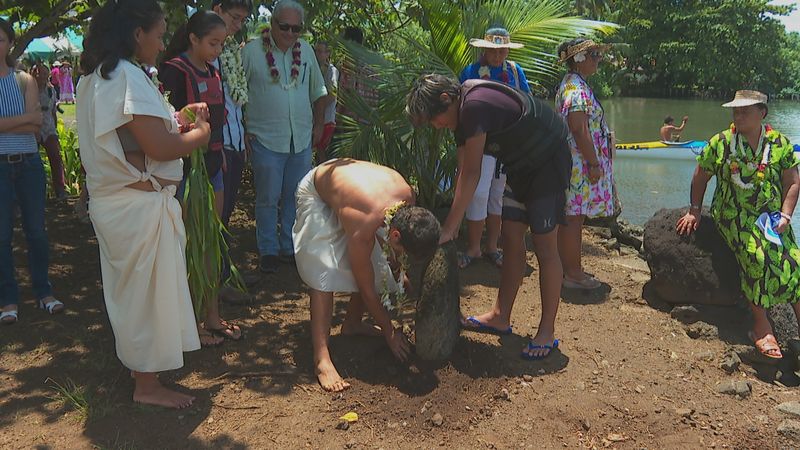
481 327
531 346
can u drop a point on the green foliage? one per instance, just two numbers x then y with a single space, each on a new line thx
708 47
206 249
71 159
435 39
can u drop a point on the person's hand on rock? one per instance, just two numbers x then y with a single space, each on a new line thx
688 223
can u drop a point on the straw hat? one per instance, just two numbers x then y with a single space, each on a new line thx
746 98
495 38
582 46
57 64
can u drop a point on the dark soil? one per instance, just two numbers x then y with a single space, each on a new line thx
625 376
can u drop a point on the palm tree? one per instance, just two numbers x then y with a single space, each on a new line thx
438 42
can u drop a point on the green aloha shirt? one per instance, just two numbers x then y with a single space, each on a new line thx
770 274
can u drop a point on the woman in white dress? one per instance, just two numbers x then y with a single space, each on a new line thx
131 149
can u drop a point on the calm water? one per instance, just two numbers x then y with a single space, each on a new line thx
649 185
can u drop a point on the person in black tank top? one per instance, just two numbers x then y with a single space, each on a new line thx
530 140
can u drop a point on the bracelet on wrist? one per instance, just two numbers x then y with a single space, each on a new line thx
787 217
695 207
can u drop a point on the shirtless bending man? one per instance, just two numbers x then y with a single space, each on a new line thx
342 244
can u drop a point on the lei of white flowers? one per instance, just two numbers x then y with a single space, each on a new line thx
737 151
233 70
390 255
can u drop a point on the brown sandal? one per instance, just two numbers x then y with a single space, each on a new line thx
768 346
228 331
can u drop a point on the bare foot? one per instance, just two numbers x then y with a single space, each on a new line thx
209 340
360 329
329 378
151 392
162 396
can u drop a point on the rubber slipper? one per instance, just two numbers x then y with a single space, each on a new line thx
587 283
496 257
480 327
531 346
464 260
9 317
53 307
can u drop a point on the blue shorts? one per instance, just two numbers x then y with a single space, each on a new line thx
216 183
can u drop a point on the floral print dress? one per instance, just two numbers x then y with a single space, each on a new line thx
770 273
583 197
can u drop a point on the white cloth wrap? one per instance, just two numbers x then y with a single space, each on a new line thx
140 234
320 246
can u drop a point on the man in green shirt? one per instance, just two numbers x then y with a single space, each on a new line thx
283 114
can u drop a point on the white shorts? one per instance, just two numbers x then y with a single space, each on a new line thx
488 198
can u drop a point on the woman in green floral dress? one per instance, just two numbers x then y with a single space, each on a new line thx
757 173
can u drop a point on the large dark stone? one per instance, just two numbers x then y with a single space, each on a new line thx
438 318
698 269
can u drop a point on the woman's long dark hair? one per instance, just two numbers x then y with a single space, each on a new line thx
200 24
111 33
8 30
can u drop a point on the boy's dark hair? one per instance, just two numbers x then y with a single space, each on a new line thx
111 33
669 120
419 230
228 5
200 24
354 34
8 30
424 102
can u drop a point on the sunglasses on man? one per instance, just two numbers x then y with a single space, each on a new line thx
286 27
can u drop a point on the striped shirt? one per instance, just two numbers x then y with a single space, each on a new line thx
12 103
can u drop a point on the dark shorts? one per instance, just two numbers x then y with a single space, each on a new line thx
542 214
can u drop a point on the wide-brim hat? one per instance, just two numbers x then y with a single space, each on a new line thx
494 41
582 46
746 98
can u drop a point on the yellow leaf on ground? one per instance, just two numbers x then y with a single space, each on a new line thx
349 417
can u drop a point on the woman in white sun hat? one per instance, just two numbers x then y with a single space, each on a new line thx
755 197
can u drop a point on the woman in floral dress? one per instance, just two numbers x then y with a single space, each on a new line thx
756 172
590 191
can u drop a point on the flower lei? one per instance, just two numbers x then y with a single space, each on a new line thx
485 72
399 273
233 71
736 159
266 42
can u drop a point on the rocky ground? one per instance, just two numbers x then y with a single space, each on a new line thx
630 373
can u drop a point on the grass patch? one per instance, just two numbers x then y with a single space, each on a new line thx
76 398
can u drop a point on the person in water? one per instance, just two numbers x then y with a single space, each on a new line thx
669 132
